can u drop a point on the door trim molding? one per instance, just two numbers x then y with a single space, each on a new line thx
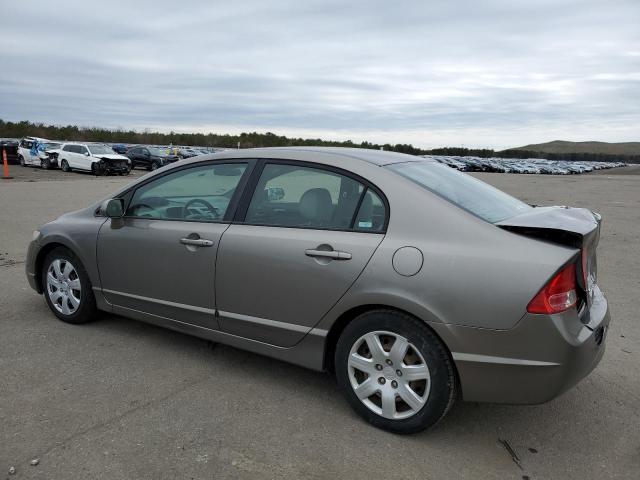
183 306
273 323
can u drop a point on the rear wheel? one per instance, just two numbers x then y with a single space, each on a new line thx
67 289
64 165
394 371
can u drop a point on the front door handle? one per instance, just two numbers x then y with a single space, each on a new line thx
333 254
197 242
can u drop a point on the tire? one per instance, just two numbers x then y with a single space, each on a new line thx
45 164
96 170
69 304
433 390
64 166
154 166
21 160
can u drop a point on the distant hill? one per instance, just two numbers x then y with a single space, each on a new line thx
564 147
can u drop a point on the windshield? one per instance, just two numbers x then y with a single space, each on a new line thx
100 149
465 191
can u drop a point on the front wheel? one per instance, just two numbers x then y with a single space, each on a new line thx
64 166
155 166
394 371
45 164
67 289
21 160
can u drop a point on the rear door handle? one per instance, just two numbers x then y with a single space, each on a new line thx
197 242
333 254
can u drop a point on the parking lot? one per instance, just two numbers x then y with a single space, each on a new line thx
121 399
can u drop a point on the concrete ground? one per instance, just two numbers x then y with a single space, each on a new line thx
119 399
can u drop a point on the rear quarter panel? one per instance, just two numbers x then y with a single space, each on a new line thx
473 273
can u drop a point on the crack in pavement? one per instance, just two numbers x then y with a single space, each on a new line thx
114 419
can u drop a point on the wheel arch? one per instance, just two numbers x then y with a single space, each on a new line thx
44 251
348 316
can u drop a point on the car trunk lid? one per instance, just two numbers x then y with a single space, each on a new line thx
573 227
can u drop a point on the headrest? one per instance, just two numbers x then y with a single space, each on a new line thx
316 205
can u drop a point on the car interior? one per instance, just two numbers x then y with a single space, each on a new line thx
329 203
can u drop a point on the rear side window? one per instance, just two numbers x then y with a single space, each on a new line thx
463 190
198 194
371 214
307 197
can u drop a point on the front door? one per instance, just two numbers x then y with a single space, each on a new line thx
307 235
160 258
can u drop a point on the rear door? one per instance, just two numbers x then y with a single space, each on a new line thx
303 236
160 258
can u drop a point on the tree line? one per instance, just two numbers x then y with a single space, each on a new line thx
255 139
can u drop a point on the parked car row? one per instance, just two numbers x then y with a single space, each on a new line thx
171 150
518 165
96 158
100 158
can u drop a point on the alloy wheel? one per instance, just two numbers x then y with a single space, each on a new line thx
63 286
389 375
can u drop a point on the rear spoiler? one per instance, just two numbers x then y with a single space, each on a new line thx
574 227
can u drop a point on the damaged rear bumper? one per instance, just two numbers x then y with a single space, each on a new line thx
534 362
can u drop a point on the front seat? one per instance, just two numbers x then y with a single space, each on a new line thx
316 207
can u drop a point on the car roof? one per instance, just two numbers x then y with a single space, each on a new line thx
374 157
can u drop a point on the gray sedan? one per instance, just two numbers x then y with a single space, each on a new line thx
414 283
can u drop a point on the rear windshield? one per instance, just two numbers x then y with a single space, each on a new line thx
463 190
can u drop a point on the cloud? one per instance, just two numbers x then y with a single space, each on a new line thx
492 73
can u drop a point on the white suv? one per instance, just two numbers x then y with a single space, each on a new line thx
38 152
96 158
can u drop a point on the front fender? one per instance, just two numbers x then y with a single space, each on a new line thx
78 233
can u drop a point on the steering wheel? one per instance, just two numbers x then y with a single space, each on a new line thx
137 207
186 212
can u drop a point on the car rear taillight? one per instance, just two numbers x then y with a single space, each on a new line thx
558 295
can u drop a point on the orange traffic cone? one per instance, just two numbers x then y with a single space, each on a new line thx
5 166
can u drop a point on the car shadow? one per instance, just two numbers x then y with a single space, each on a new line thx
463 417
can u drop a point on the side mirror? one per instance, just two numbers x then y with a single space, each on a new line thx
112 208
87 154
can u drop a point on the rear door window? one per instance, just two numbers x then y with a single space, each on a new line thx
310 197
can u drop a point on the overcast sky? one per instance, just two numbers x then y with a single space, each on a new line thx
494 73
